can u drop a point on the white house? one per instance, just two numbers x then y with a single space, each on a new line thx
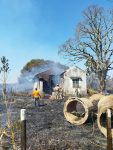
72 79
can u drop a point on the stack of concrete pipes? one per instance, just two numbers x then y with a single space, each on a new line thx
99 101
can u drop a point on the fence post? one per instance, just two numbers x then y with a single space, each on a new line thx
109 132
23 129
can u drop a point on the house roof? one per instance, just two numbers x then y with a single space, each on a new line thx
50 72
78 68
72 68
45 75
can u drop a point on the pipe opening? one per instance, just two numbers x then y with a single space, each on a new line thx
103 120
76 109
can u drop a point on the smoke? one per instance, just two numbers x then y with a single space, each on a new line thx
28 80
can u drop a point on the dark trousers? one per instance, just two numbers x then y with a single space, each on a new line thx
37 101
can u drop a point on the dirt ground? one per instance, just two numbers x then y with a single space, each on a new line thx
47 128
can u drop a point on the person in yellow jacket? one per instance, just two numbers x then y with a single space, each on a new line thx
36 95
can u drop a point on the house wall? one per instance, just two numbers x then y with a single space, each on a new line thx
38 85
67 84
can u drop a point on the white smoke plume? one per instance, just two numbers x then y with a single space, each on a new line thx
27 80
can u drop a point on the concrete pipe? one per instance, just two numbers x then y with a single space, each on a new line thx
95 98
104 103
76 110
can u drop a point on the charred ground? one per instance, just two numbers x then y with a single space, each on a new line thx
47 129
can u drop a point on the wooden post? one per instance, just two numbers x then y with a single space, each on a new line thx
23 129
109 132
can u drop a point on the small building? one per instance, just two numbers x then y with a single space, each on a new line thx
72 79
47 80
69 80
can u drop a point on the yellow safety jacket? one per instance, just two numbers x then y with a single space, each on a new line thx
36 94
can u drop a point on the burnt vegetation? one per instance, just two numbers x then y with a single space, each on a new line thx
47 128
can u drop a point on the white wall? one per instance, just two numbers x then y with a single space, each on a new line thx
67 83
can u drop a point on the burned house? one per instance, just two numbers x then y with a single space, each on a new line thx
72 79
69 80
47 80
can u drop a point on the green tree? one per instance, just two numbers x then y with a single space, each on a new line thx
35 66
34 63
4 70
93 43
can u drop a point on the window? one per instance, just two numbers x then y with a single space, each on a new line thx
75 83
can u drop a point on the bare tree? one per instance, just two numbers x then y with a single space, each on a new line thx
93 43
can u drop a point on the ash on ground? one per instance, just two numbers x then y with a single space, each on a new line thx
47 128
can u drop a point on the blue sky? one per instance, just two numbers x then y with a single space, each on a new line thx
32 29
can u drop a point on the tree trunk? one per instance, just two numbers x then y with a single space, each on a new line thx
4 91
102 80
102 84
